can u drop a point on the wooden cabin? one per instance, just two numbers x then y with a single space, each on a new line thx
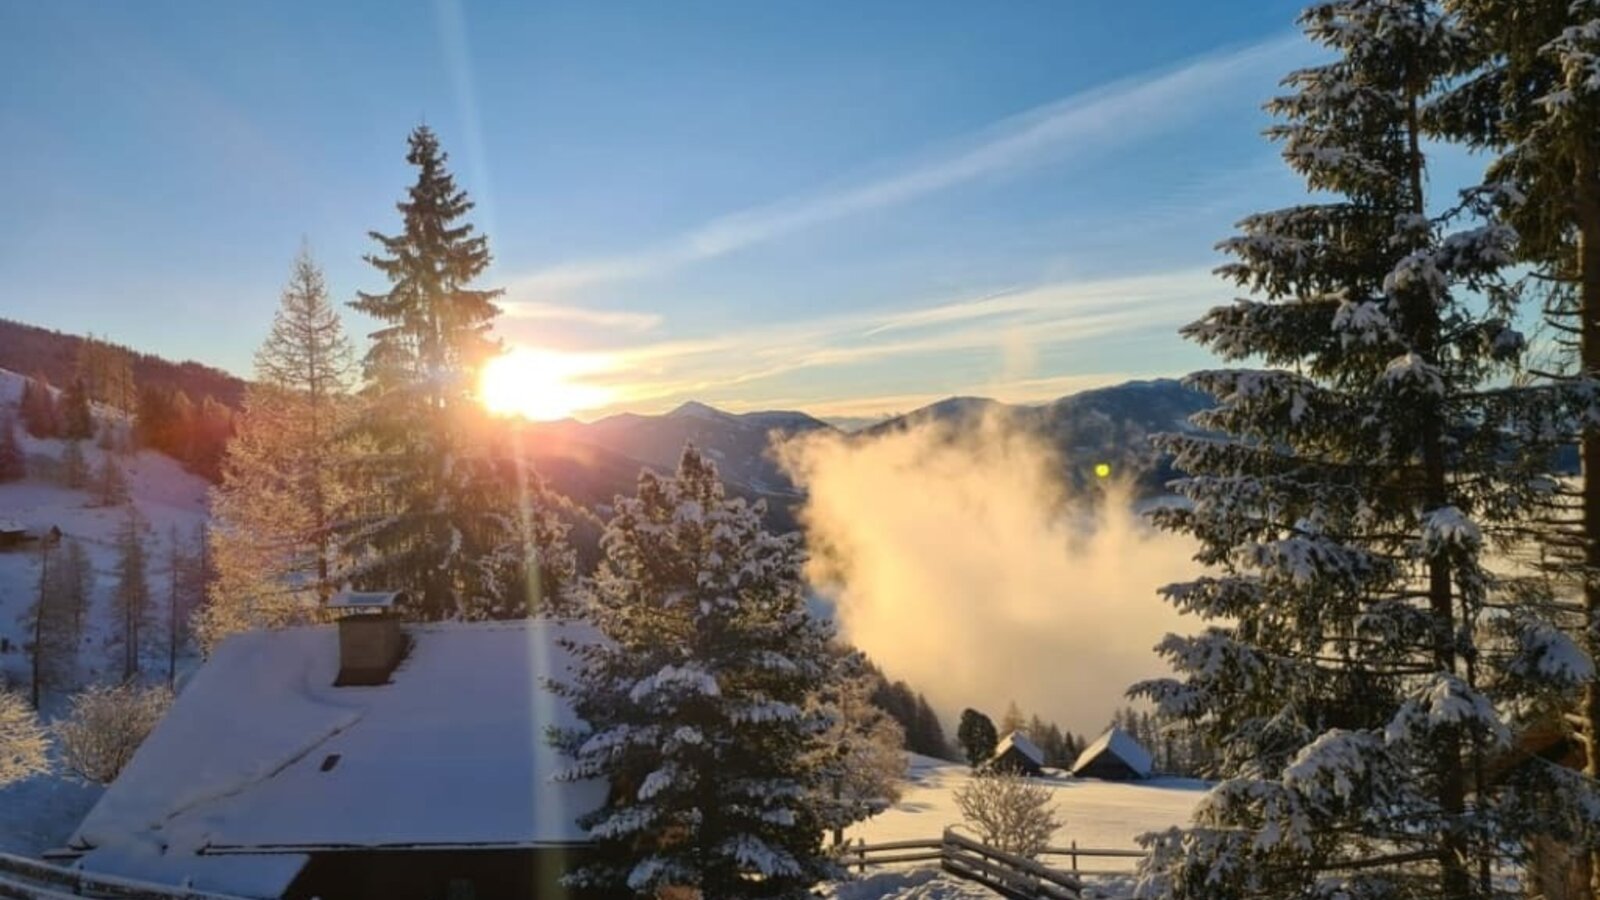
1114 756
1018 755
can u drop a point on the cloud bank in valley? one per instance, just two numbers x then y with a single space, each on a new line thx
959 562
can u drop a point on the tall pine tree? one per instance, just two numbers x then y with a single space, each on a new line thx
1534 102
438 523
696 703
1355 670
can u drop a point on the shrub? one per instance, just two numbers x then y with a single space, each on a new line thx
24 744
105 727
1010 812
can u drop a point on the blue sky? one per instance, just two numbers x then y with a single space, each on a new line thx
847 208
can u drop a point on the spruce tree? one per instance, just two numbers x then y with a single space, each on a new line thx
76 579
696 701
1533 101
132 595
438 524
929 737
977 737
13 465
38 408
110 482
77 423
51 643
1356 668
74 468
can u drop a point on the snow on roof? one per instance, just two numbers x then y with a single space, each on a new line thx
1024 746
261 753
11 525
364 599
1123 746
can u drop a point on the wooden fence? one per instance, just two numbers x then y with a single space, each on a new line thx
22 878
1011 876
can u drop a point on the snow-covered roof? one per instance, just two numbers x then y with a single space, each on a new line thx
1024 746
348 599
1123 746
261 753
10 525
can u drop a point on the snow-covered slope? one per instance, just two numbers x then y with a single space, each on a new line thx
38 814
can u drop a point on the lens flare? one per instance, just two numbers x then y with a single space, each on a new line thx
543 385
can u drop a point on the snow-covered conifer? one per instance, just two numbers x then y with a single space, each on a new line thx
1351 675
1533 101
696 701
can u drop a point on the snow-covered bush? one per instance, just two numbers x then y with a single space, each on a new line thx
24 744
1010 812
105 727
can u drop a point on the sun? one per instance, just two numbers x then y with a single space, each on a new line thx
542 385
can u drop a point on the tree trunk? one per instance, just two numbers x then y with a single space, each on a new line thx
1454 874
1586 195
38 619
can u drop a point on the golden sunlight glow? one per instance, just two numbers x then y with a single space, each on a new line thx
543 384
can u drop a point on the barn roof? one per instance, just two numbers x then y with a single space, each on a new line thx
262 754
1121 745
1024 746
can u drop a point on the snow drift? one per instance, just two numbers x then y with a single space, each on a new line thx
959 561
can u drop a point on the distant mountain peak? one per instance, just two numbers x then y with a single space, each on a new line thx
694 409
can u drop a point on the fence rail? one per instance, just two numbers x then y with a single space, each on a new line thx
1009 875
22 878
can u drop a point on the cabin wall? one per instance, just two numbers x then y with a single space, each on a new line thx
1014 760
438 875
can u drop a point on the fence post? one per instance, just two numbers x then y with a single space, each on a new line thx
1074 856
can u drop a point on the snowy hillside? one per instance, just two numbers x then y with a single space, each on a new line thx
38 813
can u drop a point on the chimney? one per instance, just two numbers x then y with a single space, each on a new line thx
370 640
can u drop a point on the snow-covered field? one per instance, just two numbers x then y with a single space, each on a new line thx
40 813
1097 814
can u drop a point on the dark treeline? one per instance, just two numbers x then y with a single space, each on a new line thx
924 733
29 349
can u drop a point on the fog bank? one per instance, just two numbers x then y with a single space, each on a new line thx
958 562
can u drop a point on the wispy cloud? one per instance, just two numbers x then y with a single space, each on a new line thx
534 310
741 368
1111 115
